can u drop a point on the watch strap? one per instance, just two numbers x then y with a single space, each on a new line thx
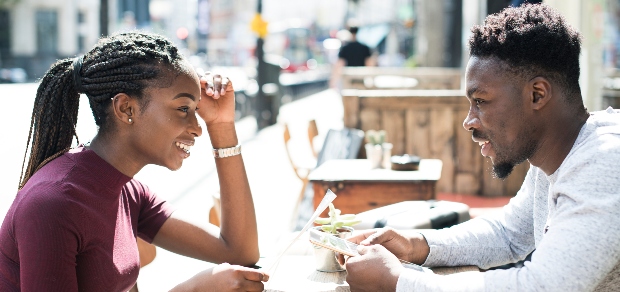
227 152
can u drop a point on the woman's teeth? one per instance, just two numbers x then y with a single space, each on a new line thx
184 147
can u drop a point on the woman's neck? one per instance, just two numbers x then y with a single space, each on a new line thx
112 152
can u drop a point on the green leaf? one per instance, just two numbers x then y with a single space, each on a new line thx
351 222
322 220
348 217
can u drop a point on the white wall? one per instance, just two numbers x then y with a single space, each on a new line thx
587 17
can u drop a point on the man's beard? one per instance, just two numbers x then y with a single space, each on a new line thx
504 164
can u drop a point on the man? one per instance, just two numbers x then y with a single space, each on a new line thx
353 54
525 104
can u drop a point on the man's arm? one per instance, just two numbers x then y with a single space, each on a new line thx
486 242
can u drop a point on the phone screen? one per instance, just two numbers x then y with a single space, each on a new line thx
334 243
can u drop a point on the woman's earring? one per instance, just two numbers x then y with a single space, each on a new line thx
130 121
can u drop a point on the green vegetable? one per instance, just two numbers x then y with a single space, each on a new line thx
336 220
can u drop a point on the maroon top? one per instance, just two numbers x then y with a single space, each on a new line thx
73 227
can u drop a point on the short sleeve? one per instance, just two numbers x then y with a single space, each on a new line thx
154 211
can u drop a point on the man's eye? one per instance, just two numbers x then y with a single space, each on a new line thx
478 101
184 109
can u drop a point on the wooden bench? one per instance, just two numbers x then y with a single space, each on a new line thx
428 123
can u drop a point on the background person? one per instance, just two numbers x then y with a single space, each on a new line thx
525 104
74 222
352 54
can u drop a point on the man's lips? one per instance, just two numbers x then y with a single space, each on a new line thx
483 143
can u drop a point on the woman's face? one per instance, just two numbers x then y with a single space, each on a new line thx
165 131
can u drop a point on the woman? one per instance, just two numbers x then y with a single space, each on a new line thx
74 222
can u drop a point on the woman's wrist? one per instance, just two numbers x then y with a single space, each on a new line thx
223 135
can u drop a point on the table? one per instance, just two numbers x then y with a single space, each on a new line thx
360 188
296 272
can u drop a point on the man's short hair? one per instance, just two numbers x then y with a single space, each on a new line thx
533 40
353 29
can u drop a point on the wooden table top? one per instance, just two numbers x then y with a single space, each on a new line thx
359 170
296 272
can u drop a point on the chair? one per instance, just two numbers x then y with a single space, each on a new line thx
216 211
301 171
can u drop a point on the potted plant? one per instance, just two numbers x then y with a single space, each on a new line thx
335 225
378 151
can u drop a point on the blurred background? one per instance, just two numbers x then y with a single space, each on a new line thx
280 54
302 37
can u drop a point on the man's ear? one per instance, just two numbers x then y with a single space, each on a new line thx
124 108
540 92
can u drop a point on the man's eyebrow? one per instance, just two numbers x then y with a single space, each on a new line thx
473 90
183 94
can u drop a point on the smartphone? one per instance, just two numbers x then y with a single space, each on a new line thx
327 240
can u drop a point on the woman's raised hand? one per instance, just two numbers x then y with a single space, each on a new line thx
226 277
217 102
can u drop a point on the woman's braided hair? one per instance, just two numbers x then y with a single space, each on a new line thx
124 63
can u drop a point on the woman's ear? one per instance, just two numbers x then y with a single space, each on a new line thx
540 92
124 108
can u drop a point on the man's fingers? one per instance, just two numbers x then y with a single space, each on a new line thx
362 249
253 286
255 275
379 237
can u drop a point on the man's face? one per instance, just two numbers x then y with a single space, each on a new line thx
497 114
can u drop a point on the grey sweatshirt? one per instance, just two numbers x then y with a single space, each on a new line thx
571 219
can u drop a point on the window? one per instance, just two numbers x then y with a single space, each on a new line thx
47 32
5 34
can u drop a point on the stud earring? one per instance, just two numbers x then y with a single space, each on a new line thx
130 121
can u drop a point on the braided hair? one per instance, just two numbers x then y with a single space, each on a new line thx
123 63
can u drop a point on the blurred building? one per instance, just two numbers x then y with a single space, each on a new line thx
33 34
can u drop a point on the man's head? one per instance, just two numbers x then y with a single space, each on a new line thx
520 58
353 30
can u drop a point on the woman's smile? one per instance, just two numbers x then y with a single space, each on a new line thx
184 148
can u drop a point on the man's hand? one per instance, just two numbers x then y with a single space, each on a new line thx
226 277
411 247
217 99
376 269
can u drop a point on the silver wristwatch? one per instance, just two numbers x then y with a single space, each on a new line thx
227 152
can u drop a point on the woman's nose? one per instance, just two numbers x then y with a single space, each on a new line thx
195 128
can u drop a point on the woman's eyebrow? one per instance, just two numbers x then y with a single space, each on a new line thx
183 94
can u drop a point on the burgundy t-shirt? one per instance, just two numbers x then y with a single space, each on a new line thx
73 227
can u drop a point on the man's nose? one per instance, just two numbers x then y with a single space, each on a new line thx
195 128
471 122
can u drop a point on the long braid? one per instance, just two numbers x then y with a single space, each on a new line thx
124 63
54 117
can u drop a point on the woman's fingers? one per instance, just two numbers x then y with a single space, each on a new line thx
215 85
